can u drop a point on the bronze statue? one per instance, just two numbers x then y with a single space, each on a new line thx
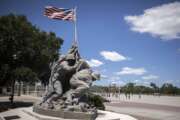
71 77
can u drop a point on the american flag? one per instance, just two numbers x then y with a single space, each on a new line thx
60 13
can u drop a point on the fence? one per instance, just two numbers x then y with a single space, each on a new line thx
24 89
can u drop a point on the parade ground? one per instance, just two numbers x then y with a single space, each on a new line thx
146 107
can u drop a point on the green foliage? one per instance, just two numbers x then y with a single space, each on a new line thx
155 87
96 101
166 89
25 51
25 74
169 89
129 87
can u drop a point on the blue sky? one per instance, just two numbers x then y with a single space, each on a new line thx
125 40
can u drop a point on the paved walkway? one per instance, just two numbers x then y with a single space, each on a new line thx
27 114
146 108
22 98
144 111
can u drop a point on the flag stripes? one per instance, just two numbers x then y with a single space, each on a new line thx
59 13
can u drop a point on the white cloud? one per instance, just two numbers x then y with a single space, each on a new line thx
114 78
117 83
131 71
136 81
168 81
162 21
146 83
95 63
112 56
104 76
150 77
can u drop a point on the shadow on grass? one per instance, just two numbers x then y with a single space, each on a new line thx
4 106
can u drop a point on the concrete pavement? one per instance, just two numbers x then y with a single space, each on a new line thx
144 111
145 108
27 114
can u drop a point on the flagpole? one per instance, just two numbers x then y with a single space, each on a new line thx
75 28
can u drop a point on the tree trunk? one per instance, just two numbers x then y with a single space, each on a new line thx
11 98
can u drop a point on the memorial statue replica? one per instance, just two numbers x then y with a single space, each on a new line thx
71 76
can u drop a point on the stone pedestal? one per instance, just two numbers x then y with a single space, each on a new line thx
65 114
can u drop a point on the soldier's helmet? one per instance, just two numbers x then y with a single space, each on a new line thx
96 76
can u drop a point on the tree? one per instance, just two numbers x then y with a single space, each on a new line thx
130 87
154 86
168 88
25 51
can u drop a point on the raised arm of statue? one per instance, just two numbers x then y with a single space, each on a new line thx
67 67
73 49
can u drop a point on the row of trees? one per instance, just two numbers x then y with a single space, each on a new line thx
132 88
166 88
25 51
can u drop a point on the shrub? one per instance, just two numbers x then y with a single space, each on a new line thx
96 101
